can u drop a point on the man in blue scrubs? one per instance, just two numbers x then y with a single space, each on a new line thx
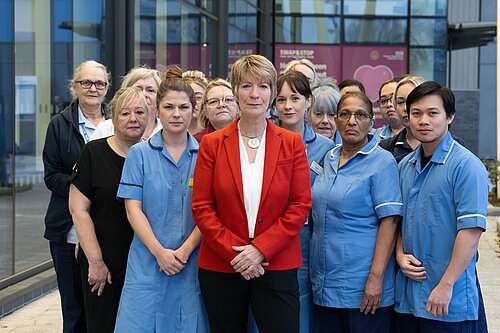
445 196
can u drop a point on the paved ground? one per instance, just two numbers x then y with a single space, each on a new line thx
43 315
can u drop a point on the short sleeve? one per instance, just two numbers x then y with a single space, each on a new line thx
132 181
471 194
385 190
81 176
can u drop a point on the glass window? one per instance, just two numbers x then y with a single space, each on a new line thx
429 7
429 64
307 30
379 7
331 7
6 140
428 32
31 116
173 34
386 31
88 30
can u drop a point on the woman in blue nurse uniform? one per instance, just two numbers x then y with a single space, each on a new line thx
161 292
356 208
294 99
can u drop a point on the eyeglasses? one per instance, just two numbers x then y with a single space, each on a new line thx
216 101
384 100
359 116
99 85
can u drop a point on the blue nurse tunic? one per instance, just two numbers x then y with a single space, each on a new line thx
348 204
449 194
152 301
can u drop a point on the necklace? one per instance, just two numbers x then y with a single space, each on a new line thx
253 141
120 147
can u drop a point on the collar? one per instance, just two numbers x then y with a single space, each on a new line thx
366 150
156 142
309 135
401 138
441 153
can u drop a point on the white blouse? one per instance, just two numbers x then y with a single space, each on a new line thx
252 174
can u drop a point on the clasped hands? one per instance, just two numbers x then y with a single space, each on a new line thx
249 261
170 261
440 297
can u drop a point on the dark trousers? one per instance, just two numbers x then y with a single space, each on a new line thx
70 286
100 311
407 323
337 320
273 297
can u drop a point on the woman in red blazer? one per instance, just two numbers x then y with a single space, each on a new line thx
251 197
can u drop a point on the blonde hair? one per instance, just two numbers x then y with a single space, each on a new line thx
123 97
415 80
256 66
306 62
78 72
202 116
140 72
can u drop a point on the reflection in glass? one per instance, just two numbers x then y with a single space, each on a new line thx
429 7
6 137
371 7
328 7
307 29
32 113
429 64
428 32
386 31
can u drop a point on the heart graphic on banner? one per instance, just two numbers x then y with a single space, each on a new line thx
372 78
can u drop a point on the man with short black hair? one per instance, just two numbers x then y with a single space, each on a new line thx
445 196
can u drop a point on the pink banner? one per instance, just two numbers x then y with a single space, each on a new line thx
374 65
326 58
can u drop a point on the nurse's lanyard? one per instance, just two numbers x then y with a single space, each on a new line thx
84 133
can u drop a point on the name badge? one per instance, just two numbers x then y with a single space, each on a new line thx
318 169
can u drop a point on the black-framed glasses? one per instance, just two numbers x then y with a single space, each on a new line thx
99 85
359 116
385 99
226 100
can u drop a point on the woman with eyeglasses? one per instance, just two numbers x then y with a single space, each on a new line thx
218 108
388 110
356 208
67 133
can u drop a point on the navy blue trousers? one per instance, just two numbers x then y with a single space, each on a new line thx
406 323
69 282
335 320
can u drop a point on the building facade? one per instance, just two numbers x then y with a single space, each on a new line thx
43 41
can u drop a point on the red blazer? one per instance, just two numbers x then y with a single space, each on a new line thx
219 209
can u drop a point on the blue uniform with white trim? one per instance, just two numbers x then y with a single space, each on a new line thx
348 204
152 301
449 194
316 147
382 133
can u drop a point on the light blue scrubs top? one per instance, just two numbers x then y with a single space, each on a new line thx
348 204
152 301
382 133
449 194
